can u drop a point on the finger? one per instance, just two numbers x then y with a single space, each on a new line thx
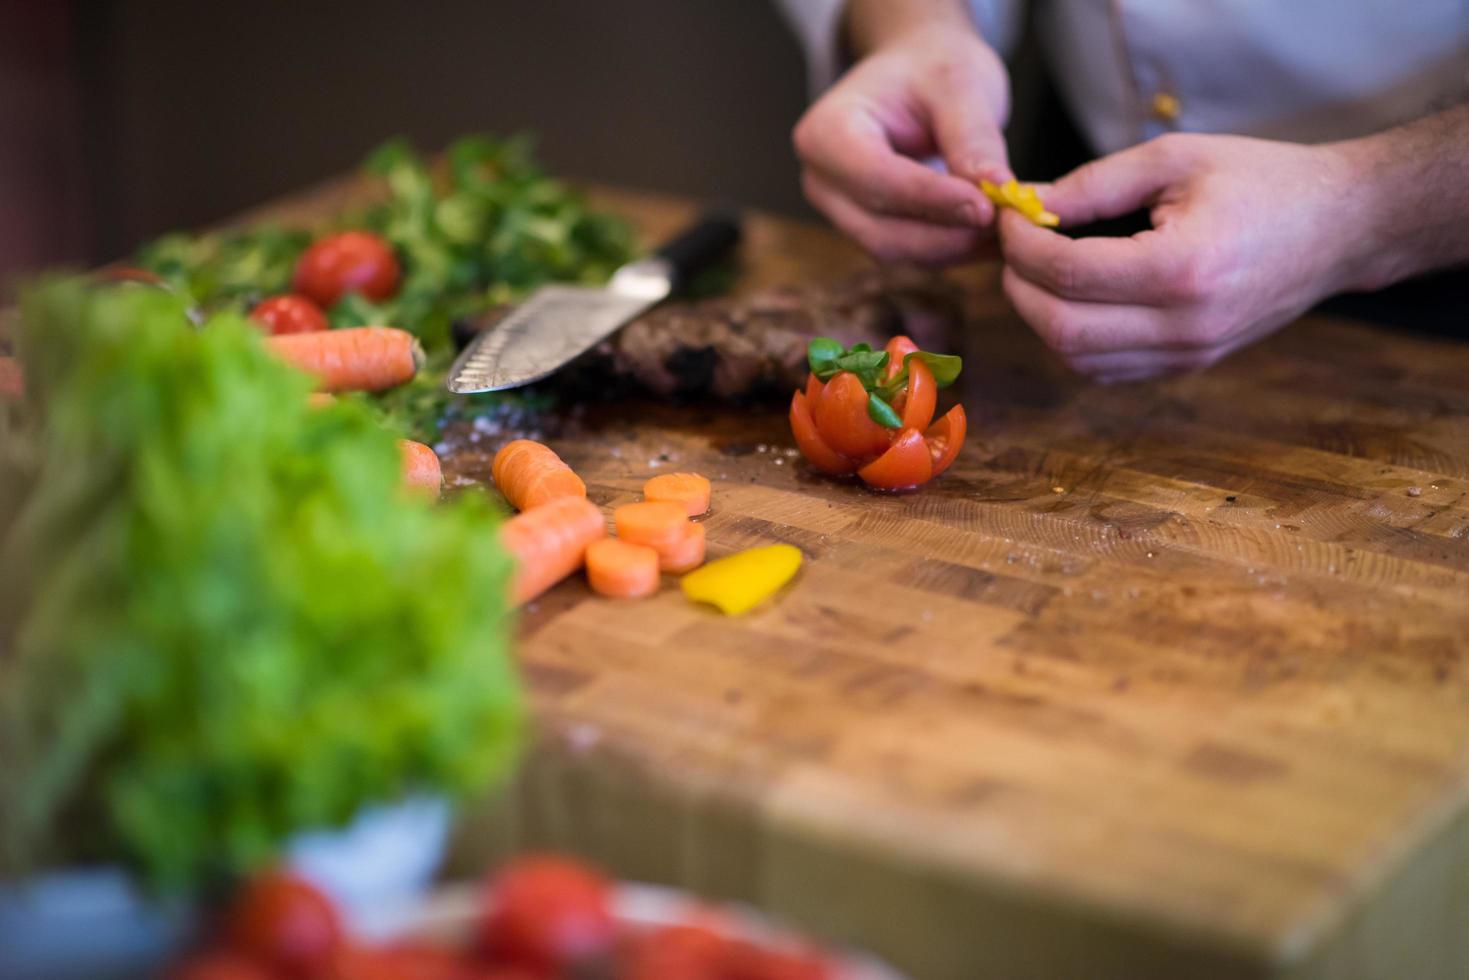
1142 269
969 136
1072 328
891 240
851 151
1118 367
1115 184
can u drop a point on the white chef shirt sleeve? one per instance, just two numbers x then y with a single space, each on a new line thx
818 26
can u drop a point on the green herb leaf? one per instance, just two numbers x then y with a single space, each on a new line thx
867 365
945 368
821 355
882 413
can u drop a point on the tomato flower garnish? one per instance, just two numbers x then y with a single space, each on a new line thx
872 412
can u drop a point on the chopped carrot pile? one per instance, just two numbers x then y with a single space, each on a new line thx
530 474
421 469
657 524
622 570
684 555
689 490
354 358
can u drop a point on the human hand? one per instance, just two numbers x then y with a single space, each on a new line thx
934 90
1247 234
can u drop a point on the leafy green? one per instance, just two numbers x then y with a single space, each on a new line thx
827 358
945 369
489 227
882 413
867 365
223 620
821 355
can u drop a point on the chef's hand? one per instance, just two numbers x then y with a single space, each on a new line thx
933 88
1247 234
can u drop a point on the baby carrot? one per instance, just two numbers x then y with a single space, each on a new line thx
421 470
657 524
688 490
621 570
550 542
530 474
686 555
354 358
12 381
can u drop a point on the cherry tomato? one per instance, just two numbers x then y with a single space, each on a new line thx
219 965
746 961
407 960
286 924
683 952
906 464
289 314
898 348
548 912
814 388
946 437
813 447
841 418
920 397
349 262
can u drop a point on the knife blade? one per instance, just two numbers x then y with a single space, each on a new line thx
556 324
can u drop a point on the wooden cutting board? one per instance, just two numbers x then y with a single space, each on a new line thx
1161 680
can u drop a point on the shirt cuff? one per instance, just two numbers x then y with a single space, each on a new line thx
817 25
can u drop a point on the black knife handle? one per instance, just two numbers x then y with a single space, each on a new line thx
700 245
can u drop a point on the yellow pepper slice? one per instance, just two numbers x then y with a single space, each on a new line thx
743 580
1021 197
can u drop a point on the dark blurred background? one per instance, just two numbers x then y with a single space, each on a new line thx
120 119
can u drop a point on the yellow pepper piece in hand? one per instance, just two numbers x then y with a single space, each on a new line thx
1021 197
743 580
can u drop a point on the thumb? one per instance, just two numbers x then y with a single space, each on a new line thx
1113 185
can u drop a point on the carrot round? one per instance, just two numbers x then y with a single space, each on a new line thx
354 358
550 542
12 381
688 490
421 469
657 524
622 570
531 475
686 555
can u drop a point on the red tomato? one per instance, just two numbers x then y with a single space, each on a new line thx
349 262
289 314
684 952
898 348
814 388
219 965
286 924
841 418
816 451
905 465
408 960
548 912
946 437
746 961
919 398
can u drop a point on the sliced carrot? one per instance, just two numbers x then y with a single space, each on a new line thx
622 570
320 399
531 475
421 469
12 381
655 523
688 490
550 542
354 358
686 555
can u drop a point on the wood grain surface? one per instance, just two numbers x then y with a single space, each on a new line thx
1161 680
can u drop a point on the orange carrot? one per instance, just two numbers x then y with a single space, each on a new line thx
320 399
352 359
688 490
621 570
550 542
530 475
421 470
686 555
657 524
12 381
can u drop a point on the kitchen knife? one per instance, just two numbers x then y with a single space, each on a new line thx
557 323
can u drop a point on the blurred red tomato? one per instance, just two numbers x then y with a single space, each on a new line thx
219 965
286 924
676 953
548 912
289 314
348 262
